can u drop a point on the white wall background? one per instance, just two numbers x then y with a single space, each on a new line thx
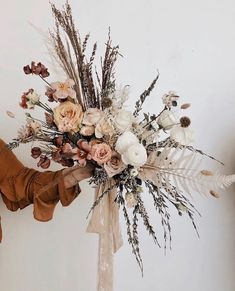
192 43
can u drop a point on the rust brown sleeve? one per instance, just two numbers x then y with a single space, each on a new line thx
21 186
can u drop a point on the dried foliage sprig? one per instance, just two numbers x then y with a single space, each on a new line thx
143 96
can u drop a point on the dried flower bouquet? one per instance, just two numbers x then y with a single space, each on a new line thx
86 121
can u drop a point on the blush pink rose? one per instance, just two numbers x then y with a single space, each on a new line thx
101 153
115 165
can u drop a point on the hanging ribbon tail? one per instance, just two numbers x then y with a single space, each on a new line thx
105 222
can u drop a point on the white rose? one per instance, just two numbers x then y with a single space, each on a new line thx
167 119
104 128
135 155
126 140
182 135
124 120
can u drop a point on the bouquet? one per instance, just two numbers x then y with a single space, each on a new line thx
86 122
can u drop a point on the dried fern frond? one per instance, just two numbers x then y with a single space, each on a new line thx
183 169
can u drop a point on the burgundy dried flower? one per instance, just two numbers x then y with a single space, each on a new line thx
67 162
84 145
49 119
27 70
49 93
56 155
36 152
23 102
36 69
44 162
58 141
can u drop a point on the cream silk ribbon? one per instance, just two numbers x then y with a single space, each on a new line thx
105 222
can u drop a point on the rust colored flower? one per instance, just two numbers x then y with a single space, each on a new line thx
44 162
36 152
84 145
58 141
68 150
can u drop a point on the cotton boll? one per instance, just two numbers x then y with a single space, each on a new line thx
135 155
167 119
182 135
126 140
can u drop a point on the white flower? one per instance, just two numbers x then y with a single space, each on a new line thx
124 120
104 128
134 172
63 90
169 98
182 135
34 126
135 155
166 119
126 140
92 116
119 97
32 99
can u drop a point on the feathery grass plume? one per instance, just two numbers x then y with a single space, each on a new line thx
108 81
162 208
131 234
139 103
71 54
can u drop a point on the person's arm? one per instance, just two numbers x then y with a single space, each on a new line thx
21 186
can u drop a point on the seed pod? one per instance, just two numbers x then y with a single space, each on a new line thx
185 121
214 194
185 106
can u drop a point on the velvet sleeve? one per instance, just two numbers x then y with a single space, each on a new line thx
21 186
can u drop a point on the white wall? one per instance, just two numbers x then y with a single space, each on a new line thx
192 43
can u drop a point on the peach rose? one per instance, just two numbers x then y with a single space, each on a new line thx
101 153
87 130
68 117
115 165
92 116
